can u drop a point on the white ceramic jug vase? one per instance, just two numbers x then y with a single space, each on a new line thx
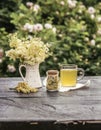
32 76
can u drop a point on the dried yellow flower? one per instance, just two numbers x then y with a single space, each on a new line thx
23 87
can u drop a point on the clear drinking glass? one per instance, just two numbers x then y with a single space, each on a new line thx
69 75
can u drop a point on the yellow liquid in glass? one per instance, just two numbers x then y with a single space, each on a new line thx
68 77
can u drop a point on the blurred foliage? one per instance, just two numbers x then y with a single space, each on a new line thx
73 30
6 8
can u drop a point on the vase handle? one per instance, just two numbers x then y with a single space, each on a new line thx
21 71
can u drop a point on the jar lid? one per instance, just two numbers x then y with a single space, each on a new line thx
52 72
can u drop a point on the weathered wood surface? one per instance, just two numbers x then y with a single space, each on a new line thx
79 105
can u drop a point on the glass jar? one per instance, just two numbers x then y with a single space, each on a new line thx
52 82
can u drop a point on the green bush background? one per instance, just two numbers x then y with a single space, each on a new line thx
77 39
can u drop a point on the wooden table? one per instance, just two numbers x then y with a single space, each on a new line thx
79 109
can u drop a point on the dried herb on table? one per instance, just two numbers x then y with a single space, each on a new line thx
23 87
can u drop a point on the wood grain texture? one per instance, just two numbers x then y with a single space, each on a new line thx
79 105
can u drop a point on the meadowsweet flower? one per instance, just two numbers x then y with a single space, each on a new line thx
48 26
92 16
91 10
54 30
99 19
36 8
29 4
92 42
11 68
62 3
28 27
37 27
29 51
72 3
60 35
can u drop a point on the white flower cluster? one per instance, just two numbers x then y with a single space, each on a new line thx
92 42
11 68
71 3
28 51
91 11
99 19
38 27
33 7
